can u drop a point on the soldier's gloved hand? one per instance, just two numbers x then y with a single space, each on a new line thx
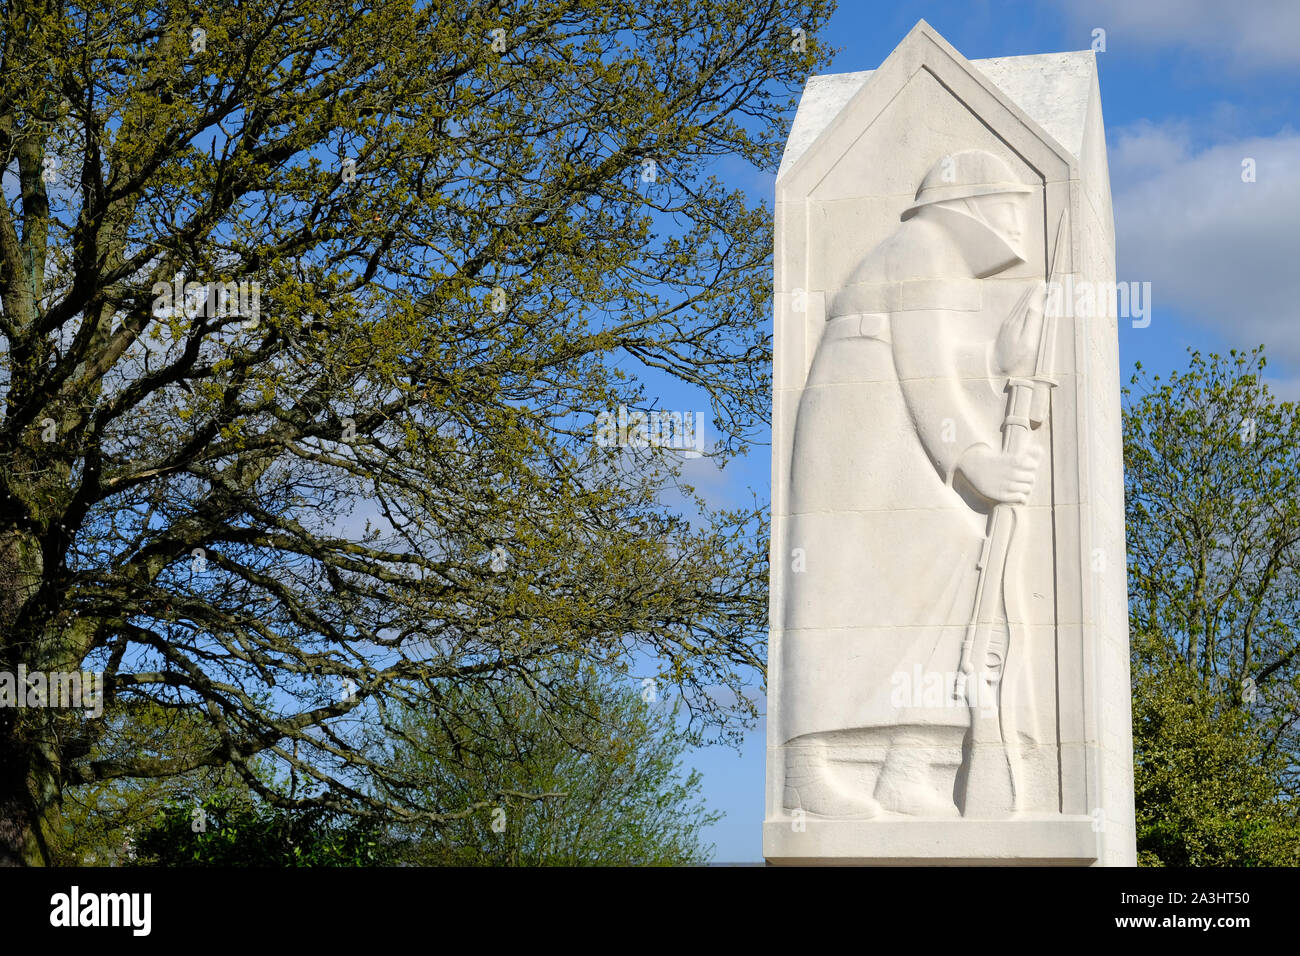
1016 351
1004 477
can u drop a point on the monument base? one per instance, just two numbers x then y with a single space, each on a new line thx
1048 840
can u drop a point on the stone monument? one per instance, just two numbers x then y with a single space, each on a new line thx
949 663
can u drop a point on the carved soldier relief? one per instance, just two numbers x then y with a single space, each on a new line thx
948 656
916 447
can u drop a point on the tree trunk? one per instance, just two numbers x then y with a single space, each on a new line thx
29 793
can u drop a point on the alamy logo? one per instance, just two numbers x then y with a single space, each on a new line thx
215 300
68 690
1115 300
680 431
930 689
103 909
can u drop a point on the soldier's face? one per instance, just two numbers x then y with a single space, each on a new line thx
1006 215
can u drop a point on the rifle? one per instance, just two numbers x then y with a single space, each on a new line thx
992 758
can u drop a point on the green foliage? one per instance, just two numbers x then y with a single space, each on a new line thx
525 779
224 832
101 821
1207 788
1212 476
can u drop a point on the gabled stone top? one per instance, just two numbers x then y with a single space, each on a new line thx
1053 88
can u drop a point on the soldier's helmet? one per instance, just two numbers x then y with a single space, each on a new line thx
965 175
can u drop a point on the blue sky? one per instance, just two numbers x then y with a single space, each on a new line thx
1190 88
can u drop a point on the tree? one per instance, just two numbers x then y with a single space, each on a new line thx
588 776
224 832
1207 789
102 823
1212 475
307 311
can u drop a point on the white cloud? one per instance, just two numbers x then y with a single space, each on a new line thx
1243 36
1145 148
1215 248
1285 389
